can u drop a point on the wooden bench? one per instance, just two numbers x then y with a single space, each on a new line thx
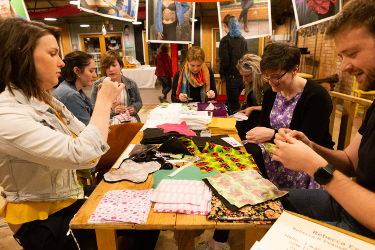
347 117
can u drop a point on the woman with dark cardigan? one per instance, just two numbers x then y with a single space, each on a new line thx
294 103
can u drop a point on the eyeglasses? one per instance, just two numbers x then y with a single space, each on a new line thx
274 80
244 65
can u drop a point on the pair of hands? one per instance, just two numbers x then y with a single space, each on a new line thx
121 109
295 151
183 97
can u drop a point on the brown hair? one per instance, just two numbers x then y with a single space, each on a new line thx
355 14
18 39
226 19
107 59
279 56
195 53
164 47
75 59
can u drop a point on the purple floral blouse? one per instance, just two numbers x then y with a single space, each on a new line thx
280 117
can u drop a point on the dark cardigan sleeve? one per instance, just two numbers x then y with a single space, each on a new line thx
224 57
174 87
312 114
268 100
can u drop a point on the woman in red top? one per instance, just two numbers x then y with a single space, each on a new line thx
164 70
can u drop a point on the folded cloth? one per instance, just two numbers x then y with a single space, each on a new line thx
202 209
189 173
241 188
174 146
222 125
179 191
201 141
132 206
157 136
266 211
180 128
132 171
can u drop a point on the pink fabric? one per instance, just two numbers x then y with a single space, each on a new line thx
132 206
201 209
179 191
180 128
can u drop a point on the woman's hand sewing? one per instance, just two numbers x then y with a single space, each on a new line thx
211 94
131 110
294 134
259 134
183 97
120 109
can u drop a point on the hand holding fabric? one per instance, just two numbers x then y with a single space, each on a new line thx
120 109
183 97
131 110
109 90
259 135
246 111
297 156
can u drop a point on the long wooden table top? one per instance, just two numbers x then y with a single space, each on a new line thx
160 221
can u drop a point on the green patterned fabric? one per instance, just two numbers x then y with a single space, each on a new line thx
262 213
242 188
219 158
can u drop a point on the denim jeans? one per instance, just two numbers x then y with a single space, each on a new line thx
234 86
166 82
320 205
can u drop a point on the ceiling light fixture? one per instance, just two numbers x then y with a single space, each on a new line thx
50 19
136 23
85 25
74 2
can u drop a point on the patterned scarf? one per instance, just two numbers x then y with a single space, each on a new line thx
186 76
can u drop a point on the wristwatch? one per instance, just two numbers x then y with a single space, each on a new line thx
324 175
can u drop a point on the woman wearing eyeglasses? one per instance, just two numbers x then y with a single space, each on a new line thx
79 72
294 103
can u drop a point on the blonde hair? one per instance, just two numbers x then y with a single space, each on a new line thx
195 53
258 85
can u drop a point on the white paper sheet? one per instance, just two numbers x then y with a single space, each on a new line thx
292 232
233 142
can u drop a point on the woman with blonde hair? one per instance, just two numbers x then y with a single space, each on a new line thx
195 82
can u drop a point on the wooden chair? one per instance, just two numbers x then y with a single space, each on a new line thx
360 93
119 138
347 117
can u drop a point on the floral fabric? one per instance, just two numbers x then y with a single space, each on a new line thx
131 206
219 158
242 188
320 6
281 117
263 212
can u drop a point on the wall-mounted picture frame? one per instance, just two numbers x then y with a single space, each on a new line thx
170 21
309 13
254 17
126 10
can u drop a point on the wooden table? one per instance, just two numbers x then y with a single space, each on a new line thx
106 232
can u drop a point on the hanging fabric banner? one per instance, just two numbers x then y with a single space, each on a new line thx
125 10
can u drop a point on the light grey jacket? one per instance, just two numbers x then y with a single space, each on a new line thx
38 155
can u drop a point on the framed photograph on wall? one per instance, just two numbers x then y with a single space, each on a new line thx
254 17
308 13
126 10
170 21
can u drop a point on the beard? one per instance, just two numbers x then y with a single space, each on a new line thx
369 84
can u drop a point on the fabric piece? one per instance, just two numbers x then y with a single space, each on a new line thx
219 158
189 173
131 206
180 128
132 171
179 191
266 211
157 136
124 117
202 209
241 188
174 146
222 125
